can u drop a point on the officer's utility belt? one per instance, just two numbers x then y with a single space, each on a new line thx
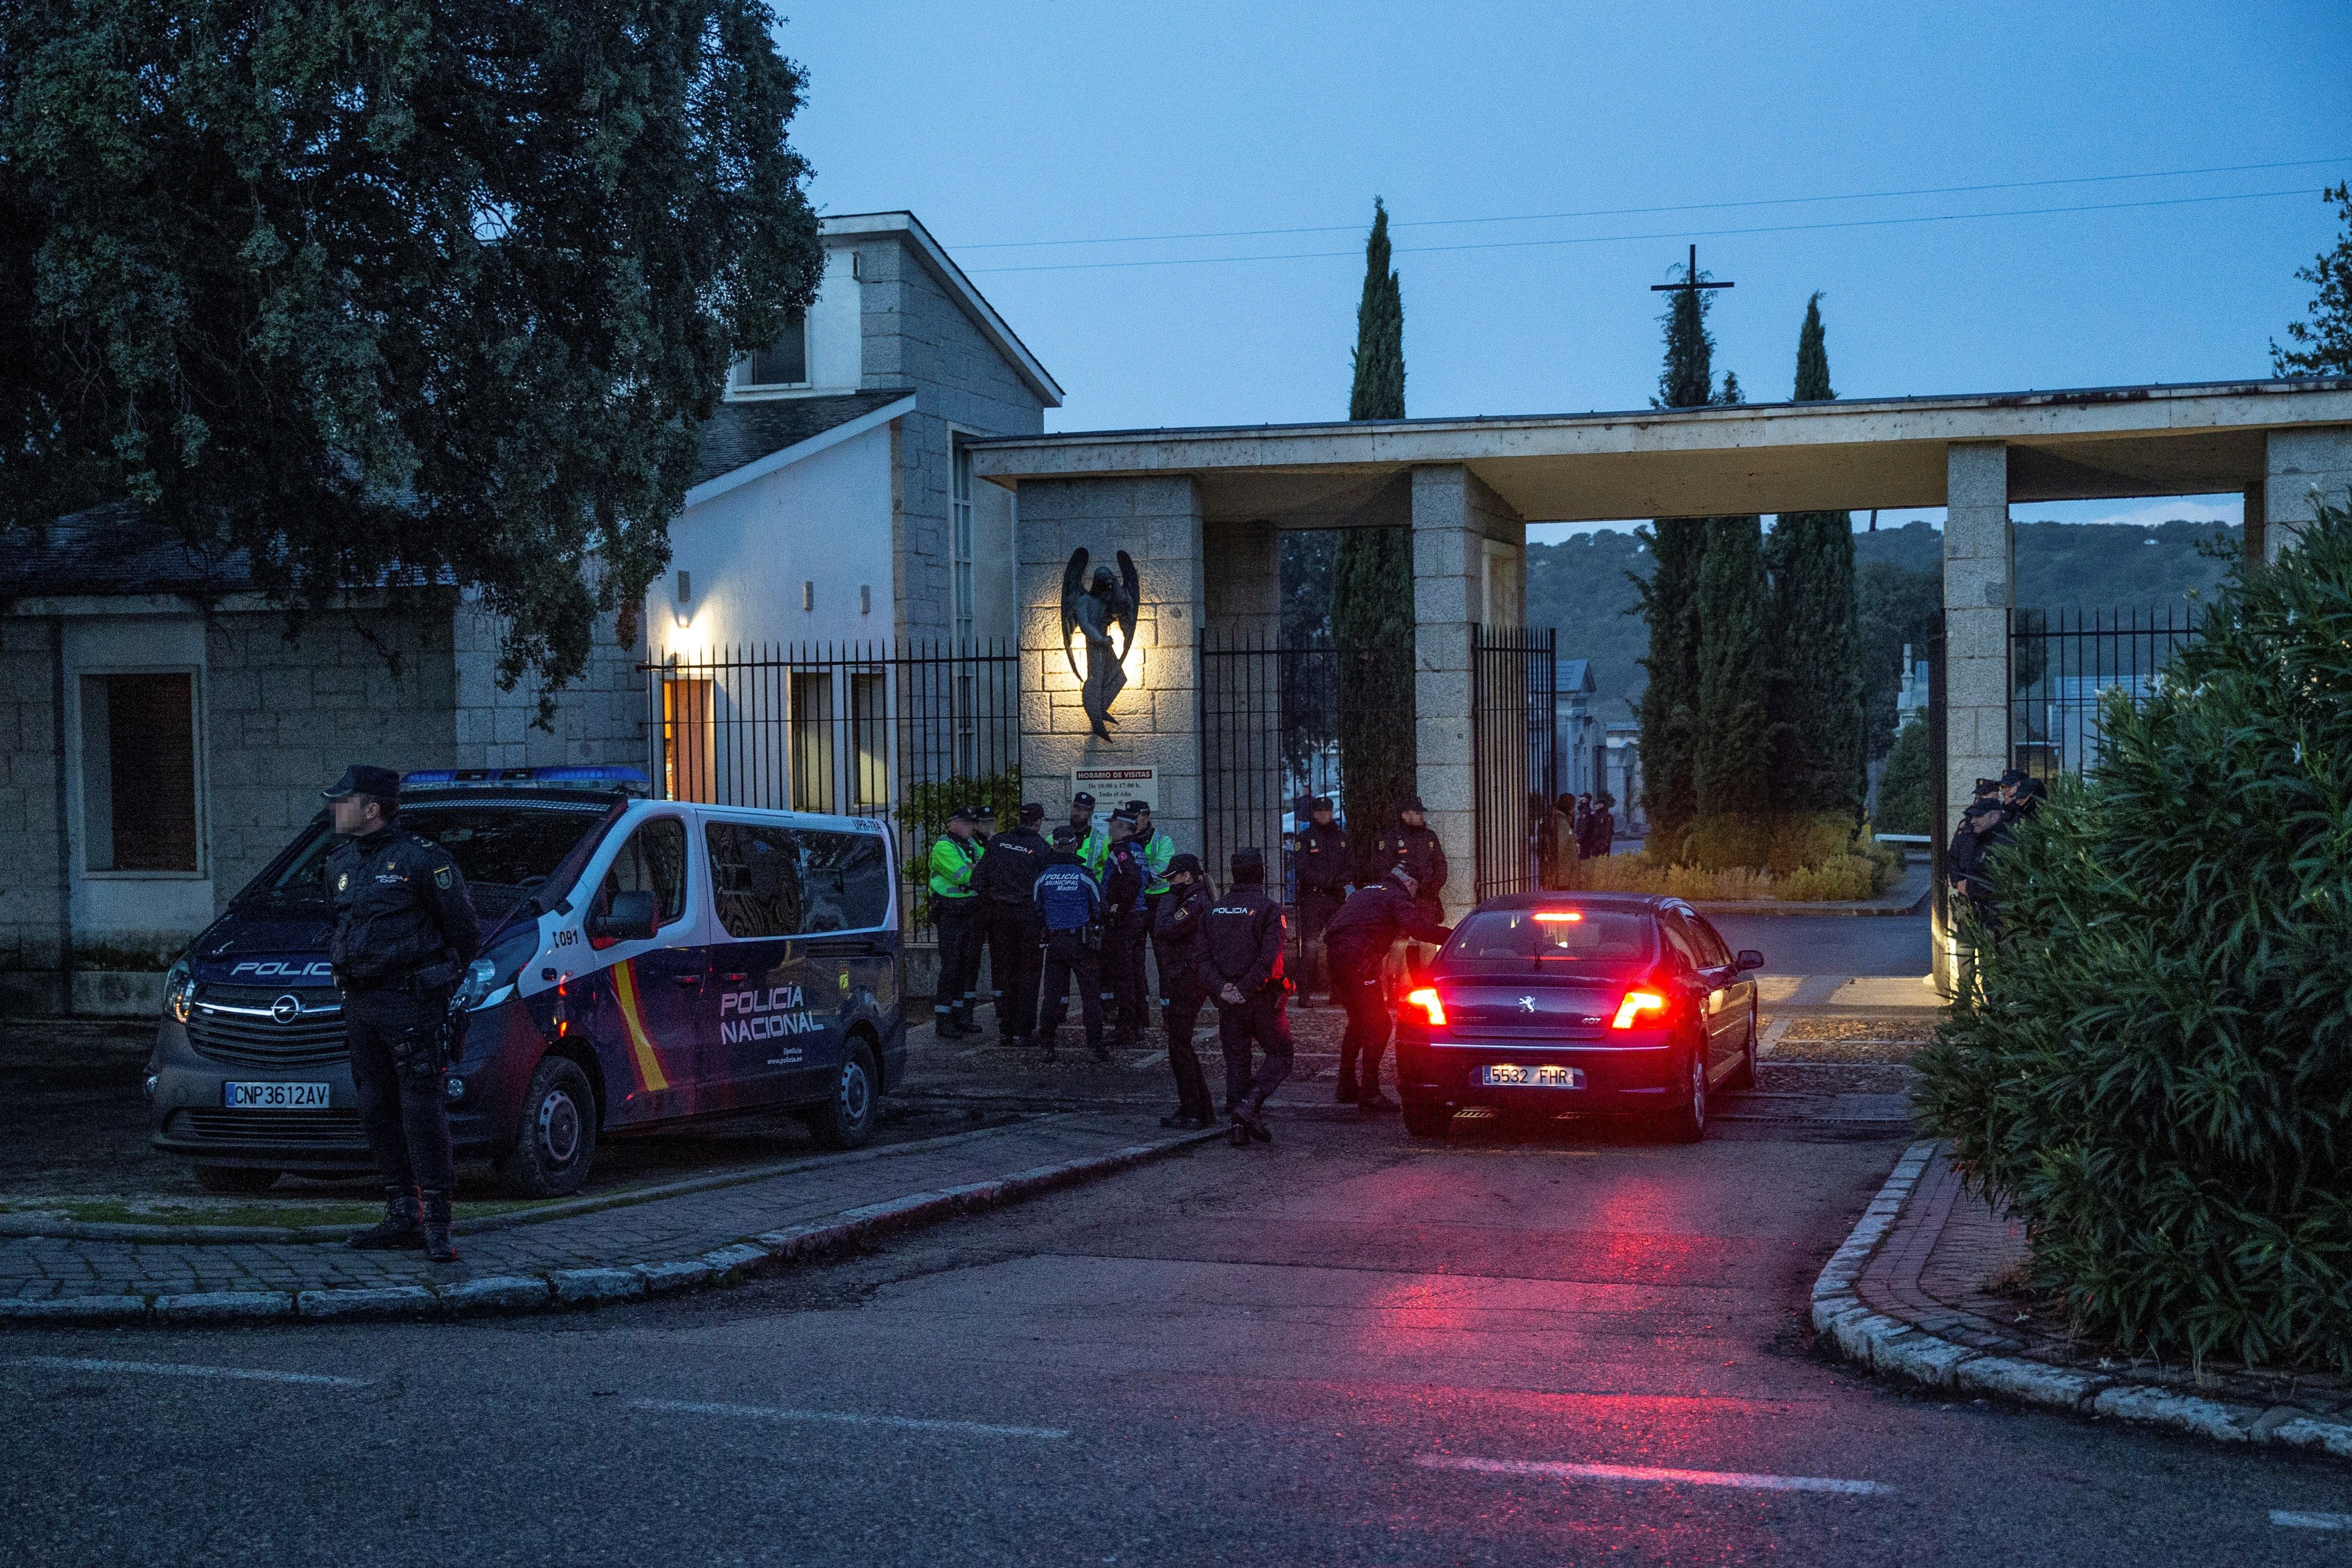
432 980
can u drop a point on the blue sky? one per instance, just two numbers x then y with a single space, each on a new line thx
1007 127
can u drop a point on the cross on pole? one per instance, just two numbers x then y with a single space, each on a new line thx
1690 278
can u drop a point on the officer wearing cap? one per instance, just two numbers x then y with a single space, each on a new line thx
1413 844
404 930
1359 938
1326 862
1070 911
954 904
1126 926
1241 969
1006 881
1093 843
1176 932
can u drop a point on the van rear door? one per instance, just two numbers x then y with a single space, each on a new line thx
769 1034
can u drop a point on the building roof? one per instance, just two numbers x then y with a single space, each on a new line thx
937 262
112 549
738 433
1574 675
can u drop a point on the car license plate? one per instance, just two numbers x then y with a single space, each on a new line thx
1511 1075
274 1096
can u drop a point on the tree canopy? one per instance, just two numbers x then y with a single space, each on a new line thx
2324 344
391 291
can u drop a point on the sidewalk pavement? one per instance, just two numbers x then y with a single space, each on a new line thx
1930 1288
673 1243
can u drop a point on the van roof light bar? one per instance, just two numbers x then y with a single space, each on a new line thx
631 780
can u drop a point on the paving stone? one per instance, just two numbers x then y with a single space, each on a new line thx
214 1306
2184 1413
576 1285
344 1303
497 1291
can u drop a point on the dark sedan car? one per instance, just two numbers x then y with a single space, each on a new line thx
1551 1003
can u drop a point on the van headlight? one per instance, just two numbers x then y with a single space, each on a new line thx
488 976
180 989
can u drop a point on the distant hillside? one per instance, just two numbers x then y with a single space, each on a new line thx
1580 585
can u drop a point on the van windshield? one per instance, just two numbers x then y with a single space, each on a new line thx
504 850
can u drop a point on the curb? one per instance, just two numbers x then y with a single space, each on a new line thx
576 1287
31 1226
1893 1348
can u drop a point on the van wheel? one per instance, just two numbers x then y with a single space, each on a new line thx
846 1119
1426 1120
555 1134
234 1178
1688 1123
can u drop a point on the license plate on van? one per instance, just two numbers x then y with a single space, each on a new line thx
274 1096
1510 1075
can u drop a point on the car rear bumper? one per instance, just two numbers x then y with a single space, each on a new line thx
1649 1072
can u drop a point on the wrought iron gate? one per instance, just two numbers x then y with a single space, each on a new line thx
2065 664
905 732
1514 761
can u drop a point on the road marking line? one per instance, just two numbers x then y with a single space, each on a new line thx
1650 1474
844 1418
2287 1519
171 1369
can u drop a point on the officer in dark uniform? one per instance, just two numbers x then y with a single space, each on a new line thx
1326 863
1070 910
1241 969
1358 940
1413 845
1127 927
1176 932
405 931
1007 876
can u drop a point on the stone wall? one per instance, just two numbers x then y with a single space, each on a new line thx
600 719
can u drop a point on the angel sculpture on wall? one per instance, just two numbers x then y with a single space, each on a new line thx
1097 609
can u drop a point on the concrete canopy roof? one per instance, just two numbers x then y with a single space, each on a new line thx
2090 443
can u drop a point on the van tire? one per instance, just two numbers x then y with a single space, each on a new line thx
555 1132
846 1119
1425 1119
234 1179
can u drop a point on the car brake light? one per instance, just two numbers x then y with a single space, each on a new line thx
1427 999
1558 916
1635 1004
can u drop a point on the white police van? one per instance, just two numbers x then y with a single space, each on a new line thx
648 964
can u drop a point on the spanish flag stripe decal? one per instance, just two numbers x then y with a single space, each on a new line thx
641 1045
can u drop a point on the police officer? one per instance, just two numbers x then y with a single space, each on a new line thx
1241 969
1126 926
954 915
404 928
1070 908
1326 863
1006 879
1176 932
1094 842
1358 941
1597 839
1413 845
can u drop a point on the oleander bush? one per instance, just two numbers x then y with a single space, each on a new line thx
2156 1071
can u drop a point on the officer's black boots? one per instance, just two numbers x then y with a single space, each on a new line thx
439 1248
1249 1121
398 1231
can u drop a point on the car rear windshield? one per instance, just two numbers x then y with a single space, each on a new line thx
1508 941
502 850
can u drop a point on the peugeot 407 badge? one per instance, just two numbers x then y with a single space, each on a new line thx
1527 1004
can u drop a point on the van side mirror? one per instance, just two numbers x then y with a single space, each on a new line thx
628 919
1749 958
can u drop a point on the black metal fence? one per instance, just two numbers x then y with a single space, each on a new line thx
2063 664
1514 762
904 731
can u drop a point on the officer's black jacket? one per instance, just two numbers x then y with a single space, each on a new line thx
1375 916
1177 926
1596 835
1965 860
1418 851
1241 941
1011 865
1322 857
1126 875
401 904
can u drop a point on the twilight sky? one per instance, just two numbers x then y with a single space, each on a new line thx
1013 129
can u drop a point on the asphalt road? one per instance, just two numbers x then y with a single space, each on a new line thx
1347 1349
1832 944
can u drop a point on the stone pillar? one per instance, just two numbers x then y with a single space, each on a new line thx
2256 518
1978 592
2303 461
1157 521
1455 519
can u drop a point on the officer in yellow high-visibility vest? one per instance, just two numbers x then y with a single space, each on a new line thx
953 903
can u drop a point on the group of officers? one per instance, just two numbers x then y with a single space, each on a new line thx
1083 905
1991 818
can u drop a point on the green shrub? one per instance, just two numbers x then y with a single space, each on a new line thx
924 813
1906 789
2156 1073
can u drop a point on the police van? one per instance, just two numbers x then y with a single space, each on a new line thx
647 964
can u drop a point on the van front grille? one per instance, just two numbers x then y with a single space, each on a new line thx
248 1037
337 1129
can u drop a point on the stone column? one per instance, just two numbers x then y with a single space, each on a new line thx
1157 521
1978 592
1455 518
2301 461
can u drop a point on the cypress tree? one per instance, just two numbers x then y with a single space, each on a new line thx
1731 771
1669 600
1372 585
1820 741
